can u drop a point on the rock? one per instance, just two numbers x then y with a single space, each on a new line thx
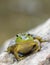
40 58
7 59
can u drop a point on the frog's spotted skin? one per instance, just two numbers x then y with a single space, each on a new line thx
25 44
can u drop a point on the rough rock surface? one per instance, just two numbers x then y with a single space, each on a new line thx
40 58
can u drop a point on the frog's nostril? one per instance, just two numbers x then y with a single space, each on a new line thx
28 34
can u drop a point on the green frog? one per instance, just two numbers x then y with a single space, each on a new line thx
25 44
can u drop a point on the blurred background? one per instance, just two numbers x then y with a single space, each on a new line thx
18 16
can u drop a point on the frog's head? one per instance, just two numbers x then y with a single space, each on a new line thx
23 37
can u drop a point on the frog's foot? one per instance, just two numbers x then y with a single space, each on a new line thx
20 58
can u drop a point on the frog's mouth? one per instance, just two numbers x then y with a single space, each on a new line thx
21 54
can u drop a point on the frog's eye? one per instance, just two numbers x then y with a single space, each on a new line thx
20 54
28 34
16 35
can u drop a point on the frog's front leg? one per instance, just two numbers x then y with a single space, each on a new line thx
19 55
37 46
36 50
